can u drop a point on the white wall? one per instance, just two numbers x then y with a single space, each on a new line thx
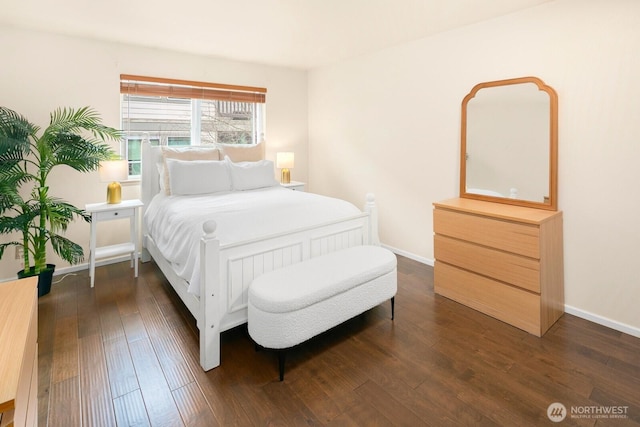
41 72
389 123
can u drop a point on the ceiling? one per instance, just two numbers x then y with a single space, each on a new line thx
291 33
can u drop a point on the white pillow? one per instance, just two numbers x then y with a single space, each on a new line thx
198 176
252 175
190 152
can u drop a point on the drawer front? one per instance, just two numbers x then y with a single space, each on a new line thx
115 214
506 267
519 238
514 306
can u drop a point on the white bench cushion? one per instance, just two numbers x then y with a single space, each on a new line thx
289 306
309 282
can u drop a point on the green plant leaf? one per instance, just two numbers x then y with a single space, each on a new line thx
75 138
66 249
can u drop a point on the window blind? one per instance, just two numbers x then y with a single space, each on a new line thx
175 88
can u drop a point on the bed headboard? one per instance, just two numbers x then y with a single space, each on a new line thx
150 179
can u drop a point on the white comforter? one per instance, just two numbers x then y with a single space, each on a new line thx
175 222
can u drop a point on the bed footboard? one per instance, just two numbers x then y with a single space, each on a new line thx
227 271
210 307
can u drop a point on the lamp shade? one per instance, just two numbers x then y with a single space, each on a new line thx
284 160
113 170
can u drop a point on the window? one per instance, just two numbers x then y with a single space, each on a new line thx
179 112
134 153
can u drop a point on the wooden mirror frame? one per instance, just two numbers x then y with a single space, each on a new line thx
552 203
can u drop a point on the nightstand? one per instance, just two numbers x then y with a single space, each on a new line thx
294 185
107 212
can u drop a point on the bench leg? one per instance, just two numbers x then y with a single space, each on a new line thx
393 303
281 357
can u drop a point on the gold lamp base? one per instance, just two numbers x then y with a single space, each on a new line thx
285 178
114 193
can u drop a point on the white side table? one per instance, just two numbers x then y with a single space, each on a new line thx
294 185
107 212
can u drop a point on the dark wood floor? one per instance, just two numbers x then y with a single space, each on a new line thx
126 353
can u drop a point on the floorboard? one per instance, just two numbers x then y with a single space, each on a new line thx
126 353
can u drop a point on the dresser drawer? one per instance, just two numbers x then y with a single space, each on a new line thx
519 238
116 214
503 266
512 305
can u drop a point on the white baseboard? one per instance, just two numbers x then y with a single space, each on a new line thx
409 255
583 314
85 265
604 321
79 267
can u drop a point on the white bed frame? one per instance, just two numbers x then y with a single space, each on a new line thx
226 271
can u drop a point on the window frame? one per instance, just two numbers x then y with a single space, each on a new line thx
197 92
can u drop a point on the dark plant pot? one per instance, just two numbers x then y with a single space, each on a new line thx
44 278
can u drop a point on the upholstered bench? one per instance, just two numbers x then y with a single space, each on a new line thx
293 304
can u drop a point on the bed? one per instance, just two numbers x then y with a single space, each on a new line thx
226 254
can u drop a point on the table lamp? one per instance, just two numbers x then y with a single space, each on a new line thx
284 161
113 171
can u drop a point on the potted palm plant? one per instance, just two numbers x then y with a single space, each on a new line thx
75 138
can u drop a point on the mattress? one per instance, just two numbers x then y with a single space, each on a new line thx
175 222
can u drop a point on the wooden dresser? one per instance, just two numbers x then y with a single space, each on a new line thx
505 261
19 352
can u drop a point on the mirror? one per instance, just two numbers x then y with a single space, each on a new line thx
509 149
